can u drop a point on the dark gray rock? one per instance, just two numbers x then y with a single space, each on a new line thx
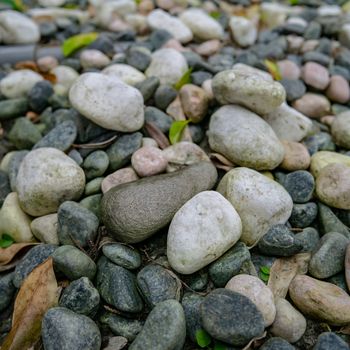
197 281
163 96
300 185
191 303
139 57
159 118
76 224
124 327
122 255
279 241
134 211
303 214
318 57
164 329
39 95
5 187
198 78
231 317
92 203
95 164
148 87
229 265
37 255
159 37
24 134
313 31
73 263
120 152
277 343
81 297
328 257
338 70
330 341
61 137
308 238
13 108
157 284
294 88
13 167
7 290
63 329
117 286
319 142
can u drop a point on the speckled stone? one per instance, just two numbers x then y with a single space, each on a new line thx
119 177
122 255
329 222
159 118
7 290
303 214
163 96
300 185
330 341
13 108
276 343
117 286
24 134
63 329
191 304
95 164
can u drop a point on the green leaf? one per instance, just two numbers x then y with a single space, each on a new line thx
15 4
138 2
294 2
264 277
176 130
203 338
76 42
273 69
219 346
6 240
265 270
185 79
215 14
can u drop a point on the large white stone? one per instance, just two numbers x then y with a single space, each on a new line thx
244 138
159 19
288 123
168 65
108 102
201 231
260 202
16 28
243 30
255 289
19 83
46 178
201 24
248 89
128 74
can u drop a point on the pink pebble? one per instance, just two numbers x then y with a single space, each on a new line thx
315 75
148 161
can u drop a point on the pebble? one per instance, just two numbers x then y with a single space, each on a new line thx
164 95
289 69
300 185
165 328
191 304
207 214
329 341
159 118
93 186
5 187
108 102
329 222
328 257
45 179
93 203
338 89
221 307
249 90
18 83
148 161
117 178
46 63
243 31
122 255
201 24
159 19
289 323
340 130
259 201
63 329
93 59
44 229
7 290
312 105
333 185
14 221
13 108
126 214
24 134
127 74
321 300
250 132
315 75
168 65
14 164
95 164
255 290
138 57
65 77
296 156
39 95
229 264
294 89
81 297
276 343
303 215
117 286
148 87
16 28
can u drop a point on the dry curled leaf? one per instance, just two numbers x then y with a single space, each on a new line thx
221 162
38 293
255 341
157 135
8 254
284 270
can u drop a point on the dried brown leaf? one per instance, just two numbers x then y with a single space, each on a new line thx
252 343
7 254
157 135
38 293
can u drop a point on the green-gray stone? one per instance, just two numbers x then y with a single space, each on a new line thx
120 152
94 186
198 280
13 108
330 341
148 87
159 118
157 284
92 203
124 327
7 290
164 95
277 343
303 214
328 257
191 304
122 255
13 167
73 263
138 57
95 164
117 286
308 238
76 224
164 329
227 266
339 280
63 329
81 297
61 137
5 187
134 211
24 134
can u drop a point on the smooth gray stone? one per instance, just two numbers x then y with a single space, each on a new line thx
277 343
164 329
330 341
303 214
7 290
95 164
13 108
24 134
13 167
5 187
191 304
300 185
39 95
164 95
148 87
159 118
122 255
63 329
308 238
92 203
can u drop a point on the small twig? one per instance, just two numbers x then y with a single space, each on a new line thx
296 229
96 145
